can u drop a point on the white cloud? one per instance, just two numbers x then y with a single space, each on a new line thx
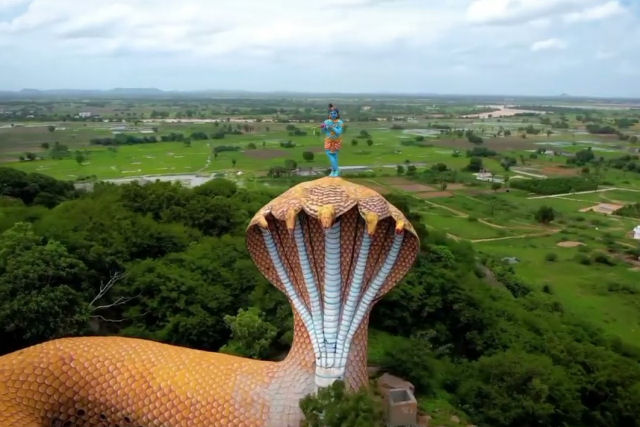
5 4
548 44
516 11
595 13
203 28
377 45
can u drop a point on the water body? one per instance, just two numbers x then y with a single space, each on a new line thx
422 132
595 145
187 180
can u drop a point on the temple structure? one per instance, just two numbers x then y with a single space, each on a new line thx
333 247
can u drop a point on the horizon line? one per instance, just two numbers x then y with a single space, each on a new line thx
158 91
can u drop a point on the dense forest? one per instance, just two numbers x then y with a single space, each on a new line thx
168 263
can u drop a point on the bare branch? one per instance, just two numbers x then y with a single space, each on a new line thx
97 316
117 302
106 287
100 317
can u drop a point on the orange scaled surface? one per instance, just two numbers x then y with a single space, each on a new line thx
109 381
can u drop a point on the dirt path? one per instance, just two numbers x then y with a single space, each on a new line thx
534 175
519 236
457 212
550 196
466 215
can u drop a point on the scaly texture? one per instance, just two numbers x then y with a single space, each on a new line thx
333 247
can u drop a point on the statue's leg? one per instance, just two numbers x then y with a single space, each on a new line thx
333 159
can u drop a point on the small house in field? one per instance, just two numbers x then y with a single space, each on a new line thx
636 233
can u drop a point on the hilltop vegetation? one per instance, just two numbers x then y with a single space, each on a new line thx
506 354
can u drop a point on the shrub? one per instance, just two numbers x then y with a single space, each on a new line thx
603 259
290 164
333 406
630 211
287 144
475 165
221 148
480 152
555 185
583 259
251 336
545 214
198 136
551 257
439 167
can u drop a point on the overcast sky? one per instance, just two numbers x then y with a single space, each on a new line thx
529 47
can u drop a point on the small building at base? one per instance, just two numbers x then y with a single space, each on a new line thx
636 233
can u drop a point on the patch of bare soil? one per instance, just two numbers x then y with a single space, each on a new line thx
456 186
397 180
557 170
604 208
414 187
370 184
569 244
498 144
265 154
434 194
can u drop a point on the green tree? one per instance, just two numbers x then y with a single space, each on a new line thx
41 287
28 187
333 406
251 335
216 187
277 171
518 389
400 170
545 214
51 128
475 165
413 359
80 158
308 156
184 297
290 164
507 162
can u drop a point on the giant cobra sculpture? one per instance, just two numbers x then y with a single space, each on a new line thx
333 247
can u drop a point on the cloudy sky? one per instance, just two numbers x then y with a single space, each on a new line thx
529 47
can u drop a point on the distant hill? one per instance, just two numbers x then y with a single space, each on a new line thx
141 93
136 91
